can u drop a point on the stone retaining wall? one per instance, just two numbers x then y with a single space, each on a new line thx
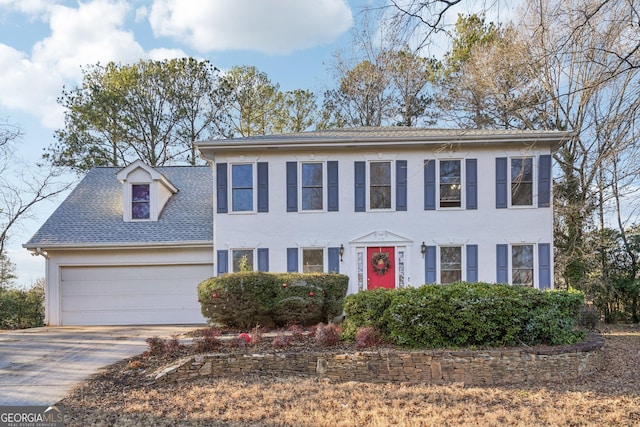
498 366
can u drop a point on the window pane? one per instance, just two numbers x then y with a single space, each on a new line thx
450 264
140 192
522 256
380 173
242 188
380 197
242 200
450 171
140 210
523 277
242 260
522 265
450 277
312 260
312 174
242 176
311 198
521 194
522 181
312 194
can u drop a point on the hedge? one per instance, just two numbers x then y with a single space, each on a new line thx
21 308
467 315
249 298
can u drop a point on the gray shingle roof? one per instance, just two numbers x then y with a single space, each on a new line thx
91 215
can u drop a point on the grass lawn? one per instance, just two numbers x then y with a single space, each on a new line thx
121 396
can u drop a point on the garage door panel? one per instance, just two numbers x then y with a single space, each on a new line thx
127 302
121 295
133 317
123 273
143 287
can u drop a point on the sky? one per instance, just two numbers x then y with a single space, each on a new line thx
45 43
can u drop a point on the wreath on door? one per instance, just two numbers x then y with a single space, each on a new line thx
380 263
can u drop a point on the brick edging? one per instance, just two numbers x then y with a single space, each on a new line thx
497 366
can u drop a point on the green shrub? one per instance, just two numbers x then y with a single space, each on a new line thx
368 308
467 315
21 308
249 298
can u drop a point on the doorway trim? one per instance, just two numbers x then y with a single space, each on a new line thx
380 238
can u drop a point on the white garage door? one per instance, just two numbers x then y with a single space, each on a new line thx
132 295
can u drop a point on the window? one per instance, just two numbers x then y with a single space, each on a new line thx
450 264
522 265
140 201
380 185
312 260
242 188
522 181
242 260
450 184
312 186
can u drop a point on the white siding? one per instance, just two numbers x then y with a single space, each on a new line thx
485 227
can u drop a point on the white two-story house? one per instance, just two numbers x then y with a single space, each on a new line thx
389 207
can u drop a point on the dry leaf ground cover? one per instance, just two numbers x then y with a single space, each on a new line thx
122 396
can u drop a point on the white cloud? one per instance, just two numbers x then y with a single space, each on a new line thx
163 53
89 33
270 26
29 86
31 7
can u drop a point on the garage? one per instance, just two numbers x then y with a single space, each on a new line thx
131 295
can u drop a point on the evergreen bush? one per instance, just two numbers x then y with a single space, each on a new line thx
467 315
249 298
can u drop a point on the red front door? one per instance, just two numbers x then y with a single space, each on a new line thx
381 268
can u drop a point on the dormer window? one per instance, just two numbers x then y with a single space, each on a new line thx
140 201
145 192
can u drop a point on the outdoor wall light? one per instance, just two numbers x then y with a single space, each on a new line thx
341 250
423 249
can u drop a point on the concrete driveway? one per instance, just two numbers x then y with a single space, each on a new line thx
40 366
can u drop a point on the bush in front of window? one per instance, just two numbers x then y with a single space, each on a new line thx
464 315
272 299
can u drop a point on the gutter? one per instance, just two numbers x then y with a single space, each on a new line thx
42 249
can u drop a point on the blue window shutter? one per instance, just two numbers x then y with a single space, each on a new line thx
360 187
292 260
472 183
472 263
332 186
334 260
221 188
263 187
429 185
502 183
544 265
292 187
223 262
430 263
544 181
401 185
263 259
502 263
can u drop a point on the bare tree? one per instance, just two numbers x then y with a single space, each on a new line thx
21 186
381 81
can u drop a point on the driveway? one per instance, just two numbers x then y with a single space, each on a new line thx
40 366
